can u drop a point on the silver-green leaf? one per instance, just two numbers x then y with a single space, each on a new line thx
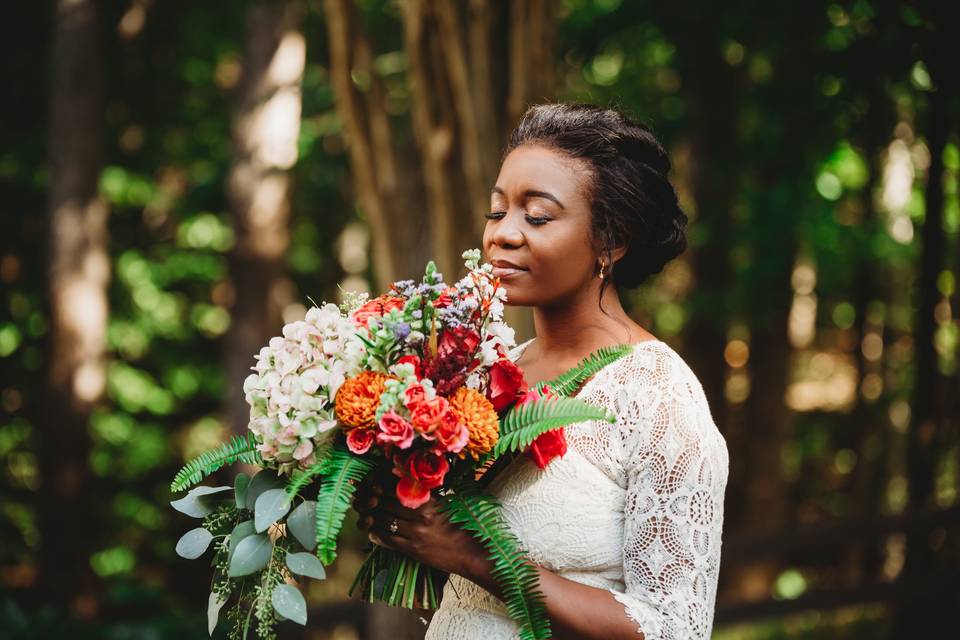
263 481
193 543
240 485
251 554
214 604
302 523
241 531
197 503
306 564
271 506
289 603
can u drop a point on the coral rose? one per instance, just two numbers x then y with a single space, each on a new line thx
427 415
360 440
358 397
419 472
379 306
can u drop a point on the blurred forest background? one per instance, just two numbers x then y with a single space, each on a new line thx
178 177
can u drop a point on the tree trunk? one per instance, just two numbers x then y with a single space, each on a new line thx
265 130
78 278
919 615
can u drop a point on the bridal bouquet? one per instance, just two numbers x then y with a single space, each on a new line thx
414 384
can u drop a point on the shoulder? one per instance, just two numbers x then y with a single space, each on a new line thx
660 402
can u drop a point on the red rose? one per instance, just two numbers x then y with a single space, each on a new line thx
375 308
458 340
506 384
428 414
417 365
360 440
445 298
395 430
414 395
419 472
549 444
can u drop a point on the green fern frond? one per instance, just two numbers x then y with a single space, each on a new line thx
524 423
518 579
242 448
303 478
342 473
570 380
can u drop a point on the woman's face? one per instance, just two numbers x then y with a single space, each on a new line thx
538 230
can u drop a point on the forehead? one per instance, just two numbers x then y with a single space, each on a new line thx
534 167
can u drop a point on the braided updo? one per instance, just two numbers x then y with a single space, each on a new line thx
632 201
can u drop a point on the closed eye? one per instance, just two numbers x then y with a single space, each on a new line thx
534 220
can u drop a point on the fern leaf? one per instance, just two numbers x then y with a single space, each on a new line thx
343 471
524 423
518 579
242 448
305 477
570 380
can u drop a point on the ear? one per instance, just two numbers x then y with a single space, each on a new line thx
618 253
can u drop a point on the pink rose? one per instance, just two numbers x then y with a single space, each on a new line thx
395 430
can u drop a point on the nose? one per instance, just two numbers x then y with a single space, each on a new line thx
506 231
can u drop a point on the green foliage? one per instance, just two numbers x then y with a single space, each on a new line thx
344 471
239 448
518 579
570 381
524 423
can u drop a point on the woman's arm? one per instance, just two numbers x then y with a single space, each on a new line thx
575 610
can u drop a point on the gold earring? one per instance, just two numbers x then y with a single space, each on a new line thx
602 267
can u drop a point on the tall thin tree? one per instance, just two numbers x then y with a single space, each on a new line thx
266 127
79 271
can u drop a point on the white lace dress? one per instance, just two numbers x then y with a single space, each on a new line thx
635 507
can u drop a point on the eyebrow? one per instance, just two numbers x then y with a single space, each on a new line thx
532 193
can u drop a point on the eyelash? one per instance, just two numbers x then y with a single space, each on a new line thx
534 220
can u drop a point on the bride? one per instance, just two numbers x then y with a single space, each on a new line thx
624 527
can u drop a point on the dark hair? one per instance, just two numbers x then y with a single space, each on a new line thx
632 201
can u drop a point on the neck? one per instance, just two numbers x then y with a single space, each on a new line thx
577 325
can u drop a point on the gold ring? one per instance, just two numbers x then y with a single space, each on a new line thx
394 526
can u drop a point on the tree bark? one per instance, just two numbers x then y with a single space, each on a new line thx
79 272
266 126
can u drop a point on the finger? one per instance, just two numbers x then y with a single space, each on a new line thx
365 521
386 511
380 528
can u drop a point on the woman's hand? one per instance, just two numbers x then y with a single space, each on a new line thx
424 534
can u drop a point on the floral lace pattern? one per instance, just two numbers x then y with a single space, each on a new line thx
635 507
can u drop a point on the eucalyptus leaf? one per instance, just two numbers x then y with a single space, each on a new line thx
197 503
241 531
306 564
193 543
263 481
240 485
271 506
302 523
289 602
251 554
214 604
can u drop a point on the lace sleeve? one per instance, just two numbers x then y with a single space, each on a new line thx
675 463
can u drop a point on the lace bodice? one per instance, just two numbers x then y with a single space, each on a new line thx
635 507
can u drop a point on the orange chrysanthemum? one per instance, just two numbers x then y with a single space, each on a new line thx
474 410
357 400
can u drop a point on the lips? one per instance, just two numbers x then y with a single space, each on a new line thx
505 269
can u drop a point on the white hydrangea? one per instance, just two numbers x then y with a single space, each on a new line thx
296 378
